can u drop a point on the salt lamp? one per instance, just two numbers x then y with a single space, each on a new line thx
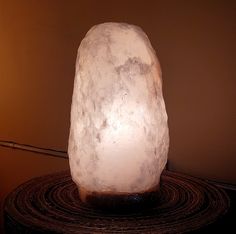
119 136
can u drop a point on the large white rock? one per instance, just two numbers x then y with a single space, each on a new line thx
119 135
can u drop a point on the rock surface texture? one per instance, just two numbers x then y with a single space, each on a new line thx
119 136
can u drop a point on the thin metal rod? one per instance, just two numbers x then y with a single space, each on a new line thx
35 149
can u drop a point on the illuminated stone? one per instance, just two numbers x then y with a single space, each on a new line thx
119 135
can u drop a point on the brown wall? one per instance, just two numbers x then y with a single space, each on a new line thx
194 40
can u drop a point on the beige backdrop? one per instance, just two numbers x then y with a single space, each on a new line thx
194 40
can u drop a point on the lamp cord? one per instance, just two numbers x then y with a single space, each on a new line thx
35 149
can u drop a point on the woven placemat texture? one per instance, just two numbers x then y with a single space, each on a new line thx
50 204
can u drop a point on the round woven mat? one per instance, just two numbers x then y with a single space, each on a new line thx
50 204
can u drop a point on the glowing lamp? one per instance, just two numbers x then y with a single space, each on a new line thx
119 136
